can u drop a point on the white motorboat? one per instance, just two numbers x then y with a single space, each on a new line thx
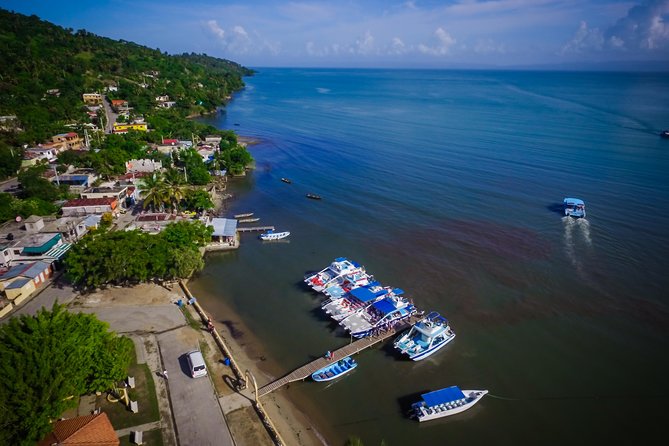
426 337
356 300
341 266
382 314
271 235
445 402
343 284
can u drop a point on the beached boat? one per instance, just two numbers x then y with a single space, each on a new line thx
426 337
334 370
314 196
381 315
445 402
247 214
271 235
248 220
343 284
341 265
574 207
286 180
358 299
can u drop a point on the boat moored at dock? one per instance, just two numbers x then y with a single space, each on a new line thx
426 337
382 314
247 214
334 370
356 300
341 266
343 284
271 235
574 207
445 402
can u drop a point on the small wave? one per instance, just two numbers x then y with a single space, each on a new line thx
323 90
584 225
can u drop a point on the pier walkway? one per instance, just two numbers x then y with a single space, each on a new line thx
355 347
254 228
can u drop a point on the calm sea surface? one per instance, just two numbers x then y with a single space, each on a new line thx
448 184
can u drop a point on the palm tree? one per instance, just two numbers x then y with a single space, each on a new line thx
156 191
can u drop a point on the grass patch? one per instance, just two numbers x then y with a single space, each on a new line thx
145 395
149 438
195 324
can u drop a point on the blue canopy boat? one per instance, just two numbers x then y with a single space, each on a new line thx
426 337
445 402
574 207
334 370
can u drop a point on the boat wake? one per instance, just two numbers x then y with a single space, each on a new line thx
576 231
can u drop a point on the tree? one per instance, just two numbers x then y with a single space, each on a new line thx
187 233
35 185
197 200
10 160
46 359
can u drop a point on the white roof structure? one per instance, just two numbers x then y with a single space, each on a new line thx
224 227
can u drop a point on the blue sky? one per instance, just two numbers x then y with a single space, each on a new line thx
377 33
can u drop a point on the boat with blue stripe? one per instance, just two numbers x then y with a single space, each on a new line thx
346 283
341 266
445 402
357 299
426 337
334 370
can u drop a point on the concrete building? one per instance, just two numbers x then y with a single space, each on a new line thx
20 281
87 206
92 98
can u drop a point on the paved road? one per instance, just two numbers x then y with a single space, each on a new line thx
110 115
137 318
196 410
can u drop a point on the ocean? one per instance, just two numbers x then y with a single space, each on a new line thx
449 185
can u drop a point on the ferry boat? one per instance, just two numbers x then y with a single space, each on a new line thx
445 402
341 266
574 207
334 370
358 299
271 235
426 337
382 314
247 214
343 284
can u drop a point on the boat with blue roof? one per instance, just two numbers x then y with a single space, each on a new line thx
358 299
334 370
382 314
426 337
343 284
445 402
574 207
341 266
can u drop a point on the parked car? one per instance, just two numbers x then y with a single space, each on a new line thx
196 364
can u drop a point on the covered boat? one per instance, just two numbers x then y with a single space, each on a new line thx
343 284
426 337
341 266
574 207
334 370
356 300
445 402
271 235
381 315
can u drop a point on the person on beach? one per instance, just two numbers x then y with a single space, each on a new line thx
165 374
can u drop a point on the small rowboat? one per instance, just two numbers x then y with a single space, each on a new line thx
248 214
314 196
334 370
248 220
286 180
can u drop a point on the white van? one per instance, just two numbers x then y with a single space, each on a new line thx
196 364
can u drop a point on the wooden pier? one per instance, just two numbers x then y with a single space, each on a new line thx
355 347
254 228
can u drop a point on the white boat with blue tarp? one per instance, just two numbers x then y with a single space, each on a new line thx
574 207
334 370
343 284
357 299
426 337
445 402
382 314
341 266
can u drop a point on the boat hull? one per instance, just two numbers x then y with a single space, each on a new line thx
473 397
335 370
432 350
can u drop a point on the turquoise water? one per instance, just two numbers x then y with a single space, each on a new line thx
448 184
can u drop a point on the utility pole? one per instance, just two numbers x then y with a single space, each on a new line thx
56 172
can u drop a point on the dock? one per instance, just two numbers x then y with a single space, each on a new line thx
355 347
254 228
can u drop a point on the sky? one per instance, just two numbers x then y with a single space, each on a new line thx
380 33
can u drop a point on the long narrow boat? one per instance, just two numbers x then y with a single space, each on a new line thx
445 402
248 220
247 214
334 370
314 196
426 337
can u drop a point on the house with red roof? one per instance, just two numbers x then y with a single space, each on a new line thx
86 206
89 430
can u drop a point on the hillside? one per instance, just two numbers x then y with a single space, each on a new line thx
45 69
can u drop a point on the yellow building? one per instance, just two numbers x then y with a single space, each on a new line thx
122 128
92 98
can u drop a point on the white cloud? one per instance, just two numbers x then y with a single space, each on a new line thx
488 46
585 39
397 46
215 29
444 42
365 43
